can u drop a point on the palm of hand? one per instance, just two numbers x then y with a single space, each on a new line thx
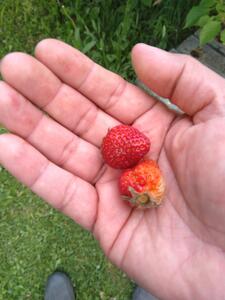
163 249
186 232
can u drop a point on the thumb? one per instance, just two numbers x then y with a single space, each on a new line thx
194 88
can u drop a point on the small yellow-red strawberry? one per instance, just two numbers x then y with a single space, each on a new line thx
143 186
124 146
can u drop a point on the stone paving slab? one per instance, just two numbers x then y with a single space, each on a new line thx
212 55
215 44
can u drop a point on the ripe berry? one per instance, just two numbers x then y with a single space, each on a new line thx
143 185
124 146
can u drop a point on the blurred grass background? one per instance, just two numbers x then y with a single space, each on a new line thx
36 239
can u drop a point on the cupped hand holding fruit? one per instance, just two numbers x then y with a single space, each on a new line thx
176 250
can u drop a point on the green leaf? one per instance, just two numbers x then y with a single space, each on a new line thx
146 2
194 15
163 31
209 32
207 3
88 46
220 7
203 20
78 41
222 36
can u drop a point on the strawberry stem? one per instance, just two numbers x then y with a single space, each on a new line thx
141 199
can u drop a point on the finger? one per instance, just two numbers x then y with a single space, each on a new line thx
53 140
64 191
109 91
194 88
70 108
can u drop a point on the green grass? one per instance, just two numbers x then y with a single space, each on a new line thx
104 29
35 239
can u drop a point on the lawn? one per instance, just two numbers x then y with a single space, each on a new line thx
36 239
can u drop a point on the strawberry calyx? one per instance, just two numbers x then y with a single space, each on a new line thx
141 199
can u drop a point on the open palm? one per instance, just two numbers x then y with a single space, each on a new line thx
60 105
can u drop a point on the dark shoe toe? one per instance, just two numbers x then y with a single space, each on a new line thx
141 294
59 287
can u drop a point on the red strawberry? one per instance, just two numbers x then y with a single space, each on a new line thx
143 185
124 146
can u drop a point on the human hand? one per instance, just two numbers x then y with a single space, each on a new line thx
175 251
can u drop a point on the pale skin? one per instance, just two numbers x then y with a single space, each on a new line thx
175 251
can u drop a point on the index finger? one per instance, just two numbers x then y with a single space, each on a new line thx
119 98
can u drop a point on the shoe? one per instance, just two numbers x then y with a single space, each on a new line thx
141 294
59 287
